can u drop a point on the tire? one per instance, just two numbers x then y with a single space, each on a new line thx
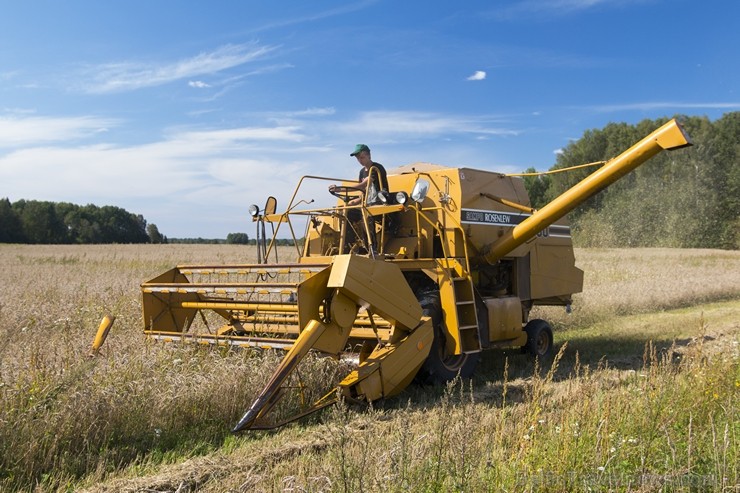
539 338
439 368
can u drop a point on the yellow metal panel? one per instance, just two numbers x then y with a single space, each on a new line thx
163 311
377 285
390 368
504 318
312 294
450 324
553 272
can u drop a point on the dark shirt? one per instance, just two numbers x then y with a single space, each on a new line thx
374 178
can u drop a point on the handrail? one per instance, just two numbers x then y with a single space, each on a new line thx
285 216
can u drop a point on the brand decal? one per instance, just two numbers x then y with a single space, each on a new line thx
494 218
511 219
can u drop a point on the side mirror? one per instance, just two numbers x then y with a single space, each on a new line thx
270 206
421 188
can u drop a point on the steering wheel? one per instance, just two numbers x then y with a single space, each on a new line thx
343 192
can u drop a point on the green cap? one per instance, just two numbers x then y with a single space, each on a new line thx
359 148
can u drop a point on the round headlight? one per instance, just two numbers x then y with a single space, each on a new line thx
402 198
384 197
254 210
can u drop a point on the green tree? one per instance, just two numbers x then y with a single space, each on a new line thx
154 235
537 187
119 226
11 229
41 224
725 179
237 238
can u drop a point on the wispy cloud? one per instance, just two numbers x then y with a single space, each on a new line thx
5 76
478 75
233 137
657 105
17 131
551 8
324 14
313 112
129 76
392 125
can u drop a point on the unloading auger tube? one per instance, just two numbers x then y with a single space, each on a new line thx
670 136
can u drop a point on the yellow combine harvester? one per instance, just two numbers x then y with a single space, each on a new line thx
447 263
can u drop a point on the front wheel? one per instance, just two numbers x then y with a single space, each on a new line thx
439 367
539 338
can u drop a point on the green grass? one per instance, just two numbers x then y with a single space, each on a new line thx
643 395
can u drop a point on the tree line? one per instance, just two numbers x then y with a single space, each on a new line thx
43 222
687 198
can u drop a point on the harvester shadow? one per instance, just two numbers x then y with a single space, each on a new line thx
504 377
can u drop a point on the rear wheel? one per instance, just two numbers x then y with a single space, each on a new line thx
440 367
539 338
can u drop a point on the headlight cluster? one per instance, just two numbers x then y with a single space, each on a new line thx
388 199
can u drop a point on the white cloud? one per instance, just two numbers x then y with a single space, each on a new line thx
478 75
557 8
6 76
198 84
314 112
186 182
325 14
129 76
393 125
228 138
23 131
656 105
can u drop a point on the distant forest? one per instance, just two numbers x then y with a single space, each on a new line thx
33 221
58 223
689 198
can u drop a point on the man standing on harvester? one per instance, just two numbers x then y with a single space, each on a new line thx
372 173
362 153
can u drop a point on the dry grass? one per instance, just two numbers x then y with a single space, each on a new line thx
621 282
642 398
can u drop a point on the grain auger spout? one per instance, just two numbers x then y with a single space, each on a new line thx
668 137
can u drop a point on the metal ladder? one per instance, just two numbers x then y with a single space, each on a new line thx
465 315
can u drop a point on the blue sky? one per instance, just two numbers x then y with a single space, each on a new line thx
187 112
